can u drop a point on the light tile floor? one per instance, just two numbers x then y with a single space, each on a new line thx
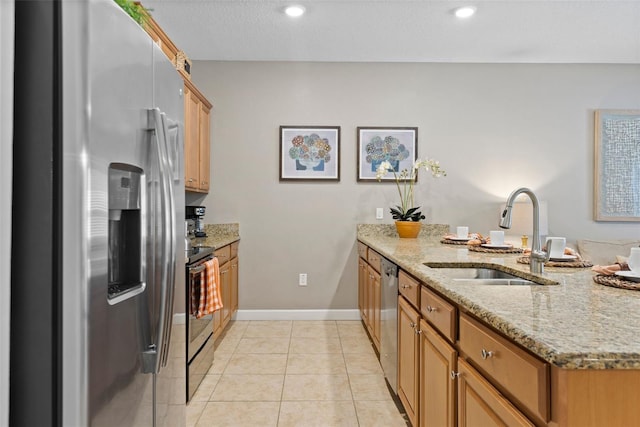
294 373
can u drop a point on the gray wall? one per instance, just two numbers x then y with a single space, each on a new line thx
6 159
494 127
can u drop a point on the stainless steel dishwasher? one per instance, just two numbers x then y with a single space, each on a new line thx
389 322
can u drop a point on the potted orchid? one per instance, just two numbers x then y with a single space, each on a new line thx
407 213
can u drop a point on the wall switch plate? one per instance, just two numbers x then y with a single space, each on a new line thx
302 279
379 213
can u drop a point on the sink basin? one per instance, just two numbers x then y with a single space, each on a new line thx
484 276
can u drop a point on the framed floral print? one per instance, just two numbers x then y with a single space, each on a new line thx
310 153
397 145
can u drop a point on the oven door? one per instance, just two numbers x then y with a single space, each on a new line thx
198 330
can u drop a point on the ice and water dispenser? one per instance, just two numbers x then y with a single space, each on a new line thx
125 272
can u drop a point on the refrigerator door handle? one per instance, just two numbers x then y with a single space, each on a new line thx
153 355
170 128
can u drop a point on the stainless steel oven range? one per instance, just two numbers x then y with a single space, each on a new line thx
199 331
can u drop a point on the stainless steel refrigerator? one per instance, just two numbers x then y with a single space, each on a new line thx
98 199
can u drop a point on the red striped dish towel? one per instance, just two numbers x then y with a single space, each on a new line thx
210 297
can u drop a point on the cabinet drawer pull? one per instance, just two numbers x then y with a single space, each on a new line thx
431 309
454 375
486 354
190 179
406 286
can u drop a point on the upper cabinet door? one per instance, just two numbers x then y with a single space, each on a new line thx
205 153
191 137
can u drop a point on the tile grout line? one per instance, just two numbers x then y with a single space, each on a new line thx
353 400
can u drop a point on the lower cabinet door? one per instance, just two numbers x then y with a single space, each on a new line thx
438 364
408 358
362 286
376 309
481 405
225 290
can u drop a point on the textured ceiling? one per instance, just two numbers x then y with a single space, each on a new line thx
502 31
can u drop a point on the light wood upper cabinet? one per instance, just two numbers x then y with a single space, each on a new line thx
196 140
197 116
204 160
191 138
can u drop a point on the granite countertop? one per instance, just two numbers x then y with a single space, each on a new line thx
572 322
218 235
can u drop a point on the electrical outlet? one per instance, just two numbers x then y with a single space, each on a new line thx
379 213
302 279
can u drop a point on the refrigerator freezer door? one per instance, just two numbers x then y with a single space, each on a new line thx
120 92
108 90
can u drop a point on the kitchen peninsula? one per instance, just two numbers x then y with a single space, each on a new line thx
581 337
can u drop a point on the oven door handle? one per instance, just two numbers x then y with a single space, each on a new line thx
198 269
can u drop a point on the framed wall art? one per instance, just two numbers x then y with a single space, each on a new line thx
397 145
310 153
617 165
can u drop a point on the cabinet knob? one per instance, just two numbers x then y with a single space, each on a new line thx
486 354
454 375
405 286
413 325
190 179
417 331
431 309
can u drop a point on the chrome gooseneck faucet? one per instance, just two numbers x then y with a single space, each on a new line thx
538 256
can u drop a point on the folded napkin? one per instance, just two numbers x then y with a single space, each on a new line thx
567 251
610 270
475 239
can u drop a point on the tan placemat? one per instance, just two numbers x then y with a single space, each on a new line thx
616 282
453 242
495 251
568 264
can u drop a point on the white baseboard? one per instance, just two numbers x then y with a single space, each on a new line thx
298 315
179 318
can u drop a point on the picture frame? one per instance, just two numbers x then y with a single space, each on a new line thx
617 165
397 145
309 153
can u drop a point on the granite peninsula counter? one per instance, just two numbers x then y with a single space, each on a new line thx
574 324
218 235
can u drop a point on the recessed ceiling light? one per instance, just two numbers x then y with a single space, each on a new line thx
465 12
294 10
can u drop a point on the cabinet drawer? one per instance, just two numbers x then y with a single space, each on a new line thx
234 249
223 254
362 250
480 404
519 375
439 313
409 288
374 258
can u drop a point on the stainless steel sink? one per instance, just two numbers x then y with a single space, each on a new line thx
483 276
